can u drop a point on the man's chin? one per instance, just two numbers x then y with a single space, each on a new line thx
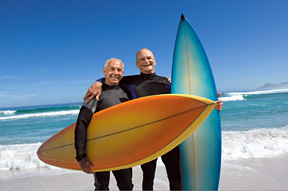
148 71
115 83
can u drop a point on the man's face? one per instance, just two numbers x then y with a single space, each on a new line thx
113 72
145 61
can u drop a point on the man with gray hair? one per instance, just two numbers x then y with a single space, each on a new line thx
111 95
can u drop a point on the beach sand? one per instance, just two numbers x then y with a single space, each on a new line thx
248 174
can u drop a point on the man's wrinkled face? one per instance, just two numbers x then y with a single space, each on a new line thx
113 72
145 61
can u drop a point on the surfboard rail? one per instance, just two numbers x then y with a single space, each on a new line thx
131 133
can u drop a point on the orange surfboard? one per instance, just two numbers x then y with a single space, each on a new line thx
131 133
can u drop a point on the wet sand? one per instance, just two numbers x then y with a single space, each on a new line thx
248 174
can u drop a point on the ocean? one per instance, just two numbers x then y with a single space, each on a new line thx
254 125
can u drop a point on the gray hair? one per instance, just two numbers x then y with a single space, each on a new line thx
107 62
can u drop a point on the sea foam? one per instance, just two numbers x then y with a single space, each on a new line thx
239 96
260 143
20 156
8 112
43 114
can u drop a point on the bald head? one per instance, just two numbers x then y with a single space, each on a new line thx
145 61
143 50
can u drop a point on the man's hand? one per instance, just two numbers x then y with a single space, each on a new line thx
169 79
85 165
94 91
219 103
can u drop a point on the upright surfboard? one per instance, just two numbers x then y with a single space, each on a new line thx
131 133
192 74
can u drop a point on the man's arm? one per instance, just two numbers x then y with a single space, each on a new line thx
95 89
84 118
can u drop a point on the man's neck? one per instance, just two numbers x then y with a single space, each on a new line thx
110 84
148 73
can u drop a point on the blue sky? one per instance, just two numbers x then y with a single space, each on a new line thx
51 51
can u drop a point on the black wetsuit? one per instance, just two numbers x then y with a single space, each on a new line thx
145 85
111 95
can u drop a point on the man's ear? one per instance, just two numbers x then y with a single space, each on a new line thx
137 64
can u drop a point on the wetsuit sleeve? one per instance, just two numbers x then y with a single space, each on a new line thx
100 80
84 118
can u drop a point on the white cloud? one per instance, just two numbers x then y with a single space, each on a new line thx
9 78
40 71
7 94
4 94
25 96
43 83
83 82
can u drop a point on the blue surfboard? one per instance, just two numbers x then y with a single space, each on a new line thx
192 74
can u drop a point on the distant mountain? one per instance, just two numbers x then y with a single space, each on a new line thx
270 86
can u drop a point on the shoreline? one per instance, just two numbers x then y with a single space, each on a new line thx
255 174
244 174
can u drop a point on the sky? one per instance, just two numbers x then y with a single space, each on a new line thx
51 51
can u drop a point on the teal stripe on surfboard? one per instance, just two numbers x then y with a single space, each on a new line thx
192 74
